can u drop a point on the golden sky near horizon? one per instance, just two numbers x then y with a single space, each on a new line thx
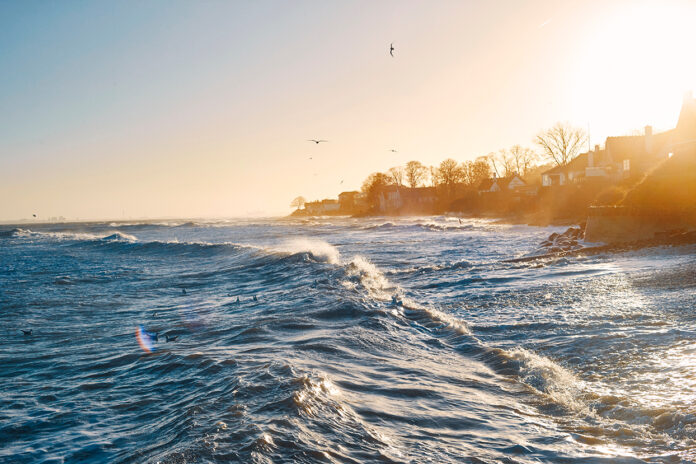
185 109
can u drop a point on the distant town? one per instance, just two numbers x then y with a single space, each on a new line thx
558 181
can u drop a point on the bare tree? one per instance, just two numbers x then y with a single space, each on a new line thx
506 162
561 143
397 175
523 159
492 161
415 173
298 202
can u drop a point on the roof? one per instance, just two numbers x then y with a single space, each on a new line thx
579 163
502 182
486 184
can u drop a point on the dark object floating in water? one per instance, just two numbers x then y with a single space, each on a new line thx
27 332
183 291
170 339
255 299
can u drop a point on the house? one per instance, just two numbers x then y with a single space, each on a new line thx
501 184
396 198
346 200
419 199
323 207
352 202
390 198
569 173
629 155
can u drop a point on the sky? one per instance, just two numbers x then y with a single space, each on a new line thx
131 109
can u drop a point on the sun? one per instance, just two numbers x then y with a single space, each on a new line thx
634 64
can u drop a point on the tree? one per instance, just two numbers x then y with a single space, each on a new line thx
506 163
415 173
561 143
478 170
492 161
373 184
397 175
433 176
449 173
298 202
523 159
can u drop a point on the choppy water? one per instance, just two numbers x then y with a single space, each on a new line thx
383 340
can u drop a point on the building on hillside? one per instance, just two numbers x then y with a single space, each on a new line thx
323 207
395 198
501 184
390 198
630 155
419 199
352 202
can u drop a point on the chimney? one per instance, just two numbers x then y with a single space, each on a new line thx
648 139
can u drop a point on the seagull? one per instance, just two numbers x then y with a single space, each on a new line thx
34 215
391 49
171 339
27 332
392 150
317 141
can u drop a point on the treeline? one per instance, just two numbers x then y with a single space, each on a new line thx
450 175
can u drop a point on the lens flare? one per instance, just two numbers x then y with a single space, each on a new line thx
145 339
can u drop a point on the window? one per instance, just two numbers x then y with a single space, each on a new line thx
627 165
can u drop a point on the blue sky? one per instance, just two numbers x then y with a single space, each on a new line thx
113 109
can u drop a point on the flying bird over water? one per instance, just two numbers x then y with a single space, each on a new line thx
391 49
171 339
317 141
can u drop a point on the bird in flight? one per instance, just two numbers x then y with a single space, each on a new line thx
34 215
341 181
391 49
317 141
392 150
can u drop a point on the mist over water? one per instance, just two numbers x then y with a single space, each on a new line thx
381 340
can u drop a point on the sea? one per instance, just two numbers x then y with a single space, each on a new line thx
340 340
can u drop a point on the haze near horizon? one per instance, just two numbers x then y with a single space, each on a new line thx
176 109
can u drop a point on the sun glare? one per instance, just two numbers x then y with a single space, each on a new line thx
632 66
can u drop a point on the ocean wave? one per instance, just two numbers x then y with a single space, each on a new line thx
422 226
73 236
